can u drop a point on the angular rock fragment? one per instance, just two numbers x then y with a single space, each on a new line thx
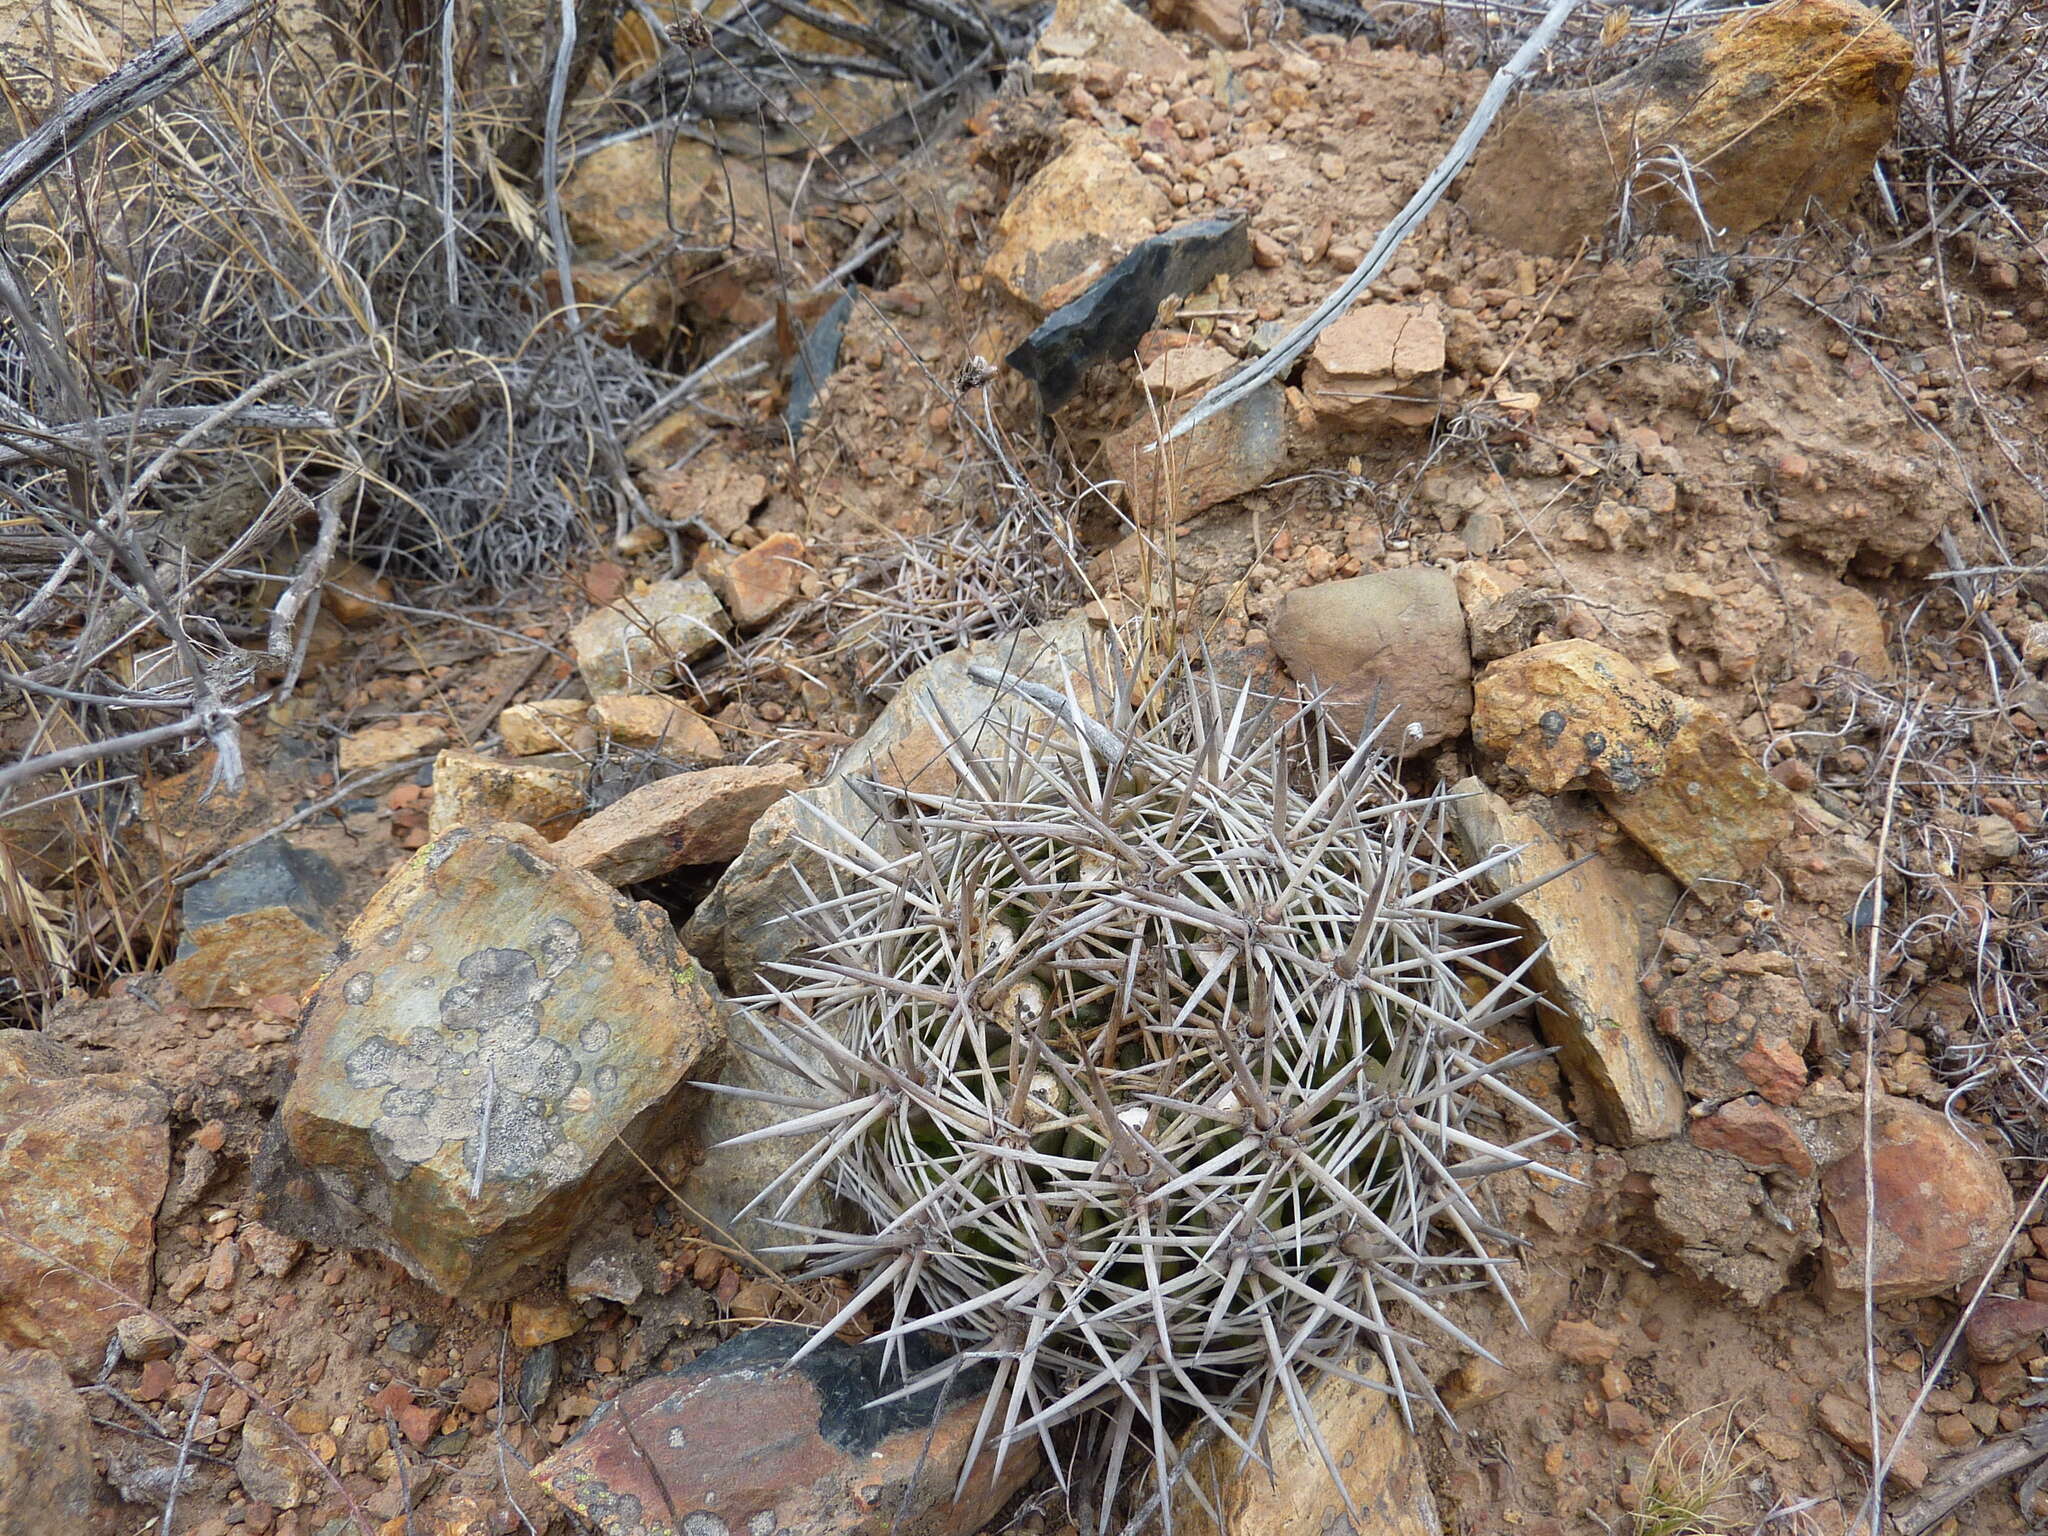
1106 322
1776 106
1942 1209
1099 33
687 818
1071 221
815 361
655 721
773 1449
83 1166
1235 451
1574 714
1391 643
471 789
2005 1328
1380 366
499 1025
1746 1024
547 725
1384 1477
1587 972
1502 616
379 745
1723 1223
262 926
757 584
638 642
46 1470
271 1469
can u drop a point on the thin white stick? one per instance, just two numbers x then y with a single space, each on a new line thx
1426 197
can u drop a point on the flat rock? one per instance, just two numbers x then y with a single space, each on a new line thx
637 643
1847 1420
1106 322
1943 1209
770 1448
1392 642
1776 106
757 584
655 721
1756 1134
1186 370
1231 453
1382 1469
271 1469
547 725
472 789
1221 21
499 1025
1380 366
377 746
1587 971
1572 714
687 818
83 1166
1069 223
46 1470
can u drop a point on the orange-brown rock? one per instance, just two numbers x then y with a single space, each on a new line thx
1070 222
472 789
1380 366
702 817
1775 107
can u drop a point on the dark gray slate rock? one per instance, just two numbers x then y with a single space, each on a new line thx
1107 320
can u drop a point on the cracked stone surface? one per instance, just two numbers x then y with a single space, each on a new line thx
498 1022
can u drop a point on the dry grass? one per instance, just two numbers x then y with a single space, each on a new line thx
1695 1483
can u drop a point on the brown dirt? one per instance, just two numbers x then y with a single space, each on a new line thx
1722 480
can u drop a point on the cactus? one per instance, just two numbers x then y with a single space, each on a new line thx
1151 1058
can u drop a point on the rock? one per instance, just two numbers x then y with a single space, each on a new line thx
622 302
1847 1420
1185 370
1849 631
2005 1328
772 1449
1831 72
1070 222
272 1470
46 1470
260 927
83 1166
638 642
144 1338
654 721
1380 366
353 593
547 725
1745 1023
1587 972
702 817
1502 617
535 1323
739 928
713 487
412 1339
758 583
1383 1472
1106 322
473 790
1722 1224
29 1055
817 357
1583 1343
1221 21
1573 714
1235 451
610 1266
378 746
501 1024
1989 840
1756 1135
271 1252
1943 1208
1102 33
1390 642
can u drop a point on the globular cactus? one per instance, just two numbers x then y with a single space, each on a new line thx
1151 1057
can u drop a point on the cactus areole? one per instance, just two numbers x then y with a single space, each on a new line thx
1151 1065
